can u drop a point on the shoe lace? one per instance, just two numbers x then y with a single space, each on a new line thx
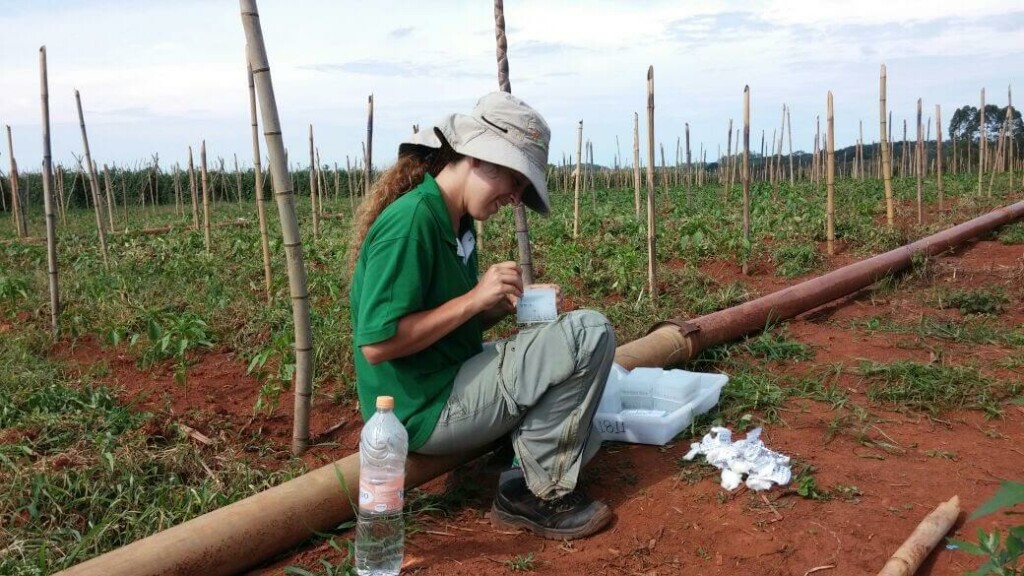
567 502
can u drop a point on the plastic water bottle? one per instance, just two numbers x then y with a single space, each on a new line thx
380 529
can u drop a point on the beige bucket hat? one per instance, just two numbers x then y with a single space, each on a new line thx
503 130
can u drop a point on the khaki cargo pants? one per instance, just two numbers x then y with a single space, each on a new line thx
542 386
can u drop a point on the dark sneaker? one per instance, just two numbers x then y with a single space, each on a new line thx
574 515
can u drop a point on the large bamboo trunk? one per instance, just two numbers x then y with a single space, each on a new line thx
285 195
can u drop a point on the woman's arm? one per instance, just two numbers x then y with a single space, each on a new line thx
419 330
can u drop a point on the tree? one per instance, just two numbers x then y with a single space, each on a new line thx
964 124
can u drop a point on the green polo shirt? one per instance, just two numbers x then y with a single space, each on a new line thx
408 263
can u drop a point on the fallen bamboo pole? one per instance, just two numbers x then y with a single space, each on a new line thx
922 541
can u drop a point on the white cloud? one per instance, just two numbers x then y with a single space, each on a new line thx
158 77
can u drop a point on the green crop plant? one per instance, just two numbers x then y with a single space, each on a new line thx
982 301
1003 556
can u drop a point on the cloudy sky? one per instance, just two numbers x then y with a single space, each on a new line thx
156 77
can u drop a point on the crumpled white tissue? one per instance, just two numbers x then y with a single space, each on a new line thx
749 456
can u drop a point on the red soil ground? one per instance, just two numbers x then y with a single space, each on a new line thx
672 519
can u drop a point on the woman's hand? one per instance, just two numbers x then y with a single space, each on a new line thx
498 288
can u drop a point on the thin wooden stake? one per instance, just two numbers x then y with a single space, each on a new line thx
51 221
746 178
651 216
93 184
830 180
206 196
938 153
890 212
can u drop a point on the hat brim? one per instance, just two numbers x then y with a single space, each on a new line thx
475 139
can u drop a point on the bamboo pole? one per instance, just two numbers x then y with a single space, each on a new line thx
997 161
261 208
789 138
981 140
109 195
238 179
17 202
313 184
289 224
576 183
60 196
206 196
651 216
368 151
731 160
938 153
920 166
890 212
1010 153
505 85
93 184
51 221
746 177
636 163
192 190
830 180
178 207
124 199
908 558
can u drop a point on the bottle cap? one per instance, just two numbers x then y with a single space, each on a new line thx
385 402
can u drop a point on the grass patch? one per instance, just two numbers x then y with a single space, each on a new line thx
777 346
982 301
81 475
932 388
796 260
1012 234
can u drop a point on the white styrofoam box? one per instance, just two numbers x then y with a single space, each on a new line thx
651 405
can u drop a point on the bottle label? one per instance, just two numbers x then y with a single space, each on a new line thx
386 496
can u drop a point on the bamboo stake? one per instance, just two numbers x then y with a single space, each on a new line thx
651 216
789 138
206 196
192 190
93 184
505 85
908 558
51 223
178 208
261 208
830 180
1009 106
368 152
289 224
124 199
890 212
238 179
981 140
60 196
313 181
576 183
746 177
938 153
636 163
17 203
729 155
109 195
920 166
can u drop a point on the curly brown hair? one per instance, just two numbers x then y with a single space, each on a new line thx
404 175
